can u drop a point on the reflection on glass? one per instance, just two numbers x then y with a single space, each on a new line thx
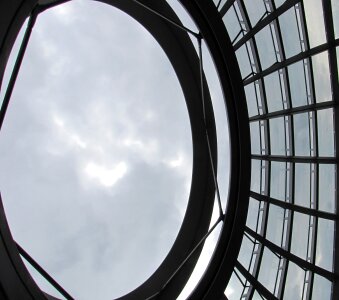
290 32
231 22
277 134
234 288
321 288
255 138
325 132
327 188
301 134
315 22
252 215
255 10
273 92
255 175
251 98
244 60
294 282
302 187
278 177
300 234
324 252
265 47
297 83
321 74
268 269
247 247
275 224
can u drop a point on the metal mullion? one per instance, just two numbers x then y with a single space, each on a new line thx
43 273
292 257
330 36
297 159
294 110
291 60
159 14
195 248
255 283
17 65
226 7
263 23
293 207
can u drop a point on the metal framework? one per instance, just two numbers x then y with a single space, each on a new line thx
278 70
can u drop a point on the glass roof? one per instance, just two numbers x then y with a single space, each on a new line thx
288 60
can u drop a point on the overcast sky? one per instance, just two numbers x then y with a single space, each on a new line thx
97 150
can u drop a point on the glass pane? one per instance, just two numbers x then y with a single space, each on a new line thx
302 188
244 61
289 32
315 22
275 224
247 247
325 132
277 135
251 100
324 253
252 214
335 11
231 22
294 282
265 48
273 92
327 188
321 288
322 80
297 84
255 10
255 138
300 234
301 134
268 269
234 288
278 177
255 175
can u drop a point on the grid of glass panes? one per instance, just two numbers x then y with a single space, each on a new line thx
288 59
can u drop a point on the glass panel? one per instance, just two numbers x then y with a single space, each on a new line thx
255 175
277 135
290 32
321 288
278 180
315 22
300 234
302 188
324 253
244 61
255 10
252 214
335 11
231 22
273 92
255 138
234 288
297 84
327 188
251 100
265 47
275 224
294 282
268 269
325 132
247 247
301 134
322 80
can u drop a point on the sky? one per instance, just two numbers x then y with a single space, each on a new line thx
97 150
